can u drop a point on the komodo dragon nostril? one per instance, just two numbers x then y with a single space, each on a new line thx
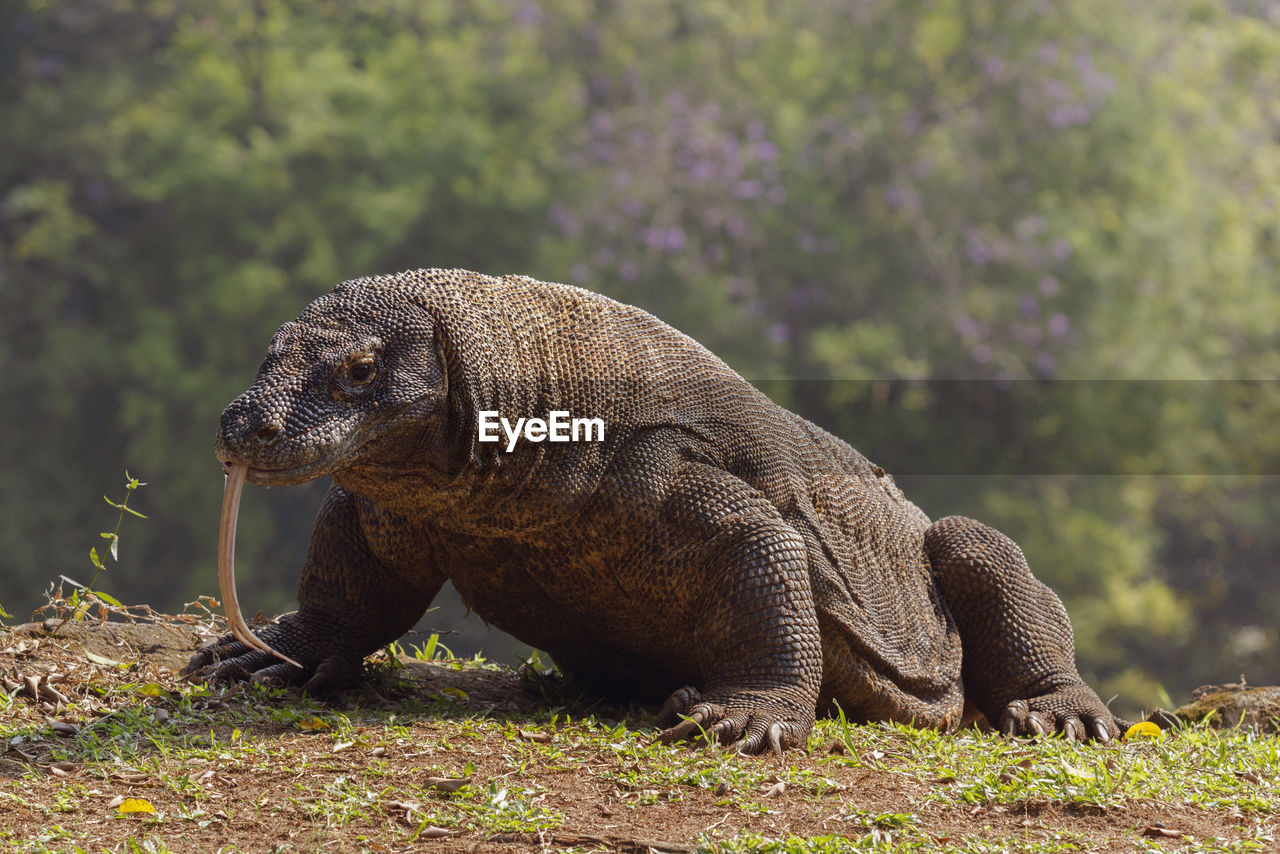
267 433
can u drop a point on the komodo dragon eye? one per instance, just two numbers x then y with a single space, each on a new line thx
356 375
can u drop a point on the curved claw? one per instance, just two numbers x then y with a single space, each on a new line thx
721 733
1012 717
775 739
677 705
682 730
1100 732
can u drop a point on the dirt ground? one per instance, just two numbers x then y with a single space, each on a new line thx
66 685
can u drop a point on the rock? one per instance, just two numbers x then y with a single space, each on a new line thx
1228 706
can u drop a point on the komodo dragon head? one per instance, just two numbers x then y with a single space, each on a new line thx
330 398
332 385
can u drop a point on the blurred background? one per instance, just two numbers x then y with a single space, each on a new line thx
1023 253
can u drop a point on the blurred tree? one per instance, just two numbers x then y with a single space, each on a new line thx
1022 253
175 181
1000 195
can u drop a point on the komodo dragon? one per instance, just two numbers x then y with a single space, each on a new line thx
714 549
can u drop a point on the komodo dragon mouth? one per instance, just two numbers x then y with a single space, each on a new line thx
236 475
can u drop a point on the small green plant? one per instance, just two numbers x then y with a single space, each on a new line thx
432 650
86 596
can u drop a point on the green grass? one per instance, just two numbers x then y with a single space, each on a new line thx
214 760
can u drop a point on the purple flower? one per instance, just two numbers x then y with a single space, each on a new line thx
1049 285
654 238
977 248
48 67
1061 248
1028 306
97 191
993 65
755 130
1045 364
702 171
766 151
777 195
529 14
1070 116
629 271
981 353
564 219
673 239
1059 325
893 196
779 332
747 189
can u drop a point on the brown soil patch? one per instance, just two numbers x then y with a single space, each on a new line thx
257 806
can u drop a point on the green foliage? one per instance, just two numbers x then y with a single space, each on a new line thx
113 538
841 199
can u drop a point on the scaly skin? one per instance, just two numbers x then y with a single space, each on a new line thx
715 549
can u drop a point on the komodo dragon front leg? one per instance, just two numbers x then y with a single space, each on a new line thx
754 627
1019 655
350 602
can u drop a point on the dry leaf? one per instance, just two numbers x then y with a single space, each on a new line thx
103 660
446 784
312 724
1078 773
540 737
1160 831
342 745
776 790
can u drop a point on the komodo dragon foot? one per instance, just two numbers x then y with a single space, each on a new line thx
326 666
1019 654
746 721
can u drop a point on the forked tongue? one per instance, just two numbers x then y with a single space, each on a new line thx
227 562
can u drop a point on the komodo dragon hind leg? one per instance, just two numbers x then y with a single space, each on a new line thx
1019 655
